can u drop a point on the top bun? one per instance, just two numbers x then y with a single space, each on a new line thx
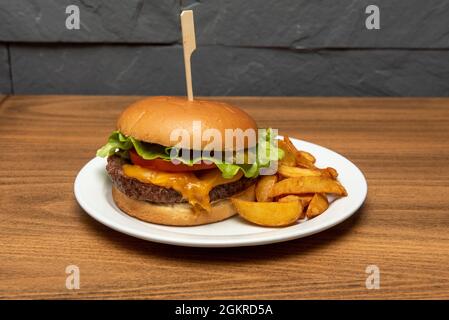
154 119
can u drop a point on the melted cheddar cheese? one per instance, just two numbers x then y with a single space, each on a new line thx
195 189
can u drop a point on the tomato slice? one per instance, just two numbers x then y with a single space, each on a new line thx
167 166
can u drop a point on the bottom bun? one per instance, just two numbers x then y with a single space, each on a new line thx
179 214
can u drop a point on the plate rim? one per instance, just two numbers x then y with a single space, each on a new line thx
279 234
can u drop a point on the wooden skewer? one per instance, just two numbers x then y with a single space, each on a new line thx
189 45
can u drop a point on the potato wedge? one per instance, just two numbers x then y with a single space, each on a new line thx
248 194
301 159
305 199
289 145
317 206
269 214
308 156
304 162
332 172
263 188
289 198
303 185
296 172
289 158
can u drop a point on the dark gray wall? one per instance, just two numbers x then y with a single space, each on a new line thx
5 77
251 47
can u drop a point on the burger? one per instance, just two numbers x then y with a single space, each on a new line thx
162 173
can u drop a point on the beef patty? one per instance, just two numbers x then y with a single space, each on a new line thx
135 189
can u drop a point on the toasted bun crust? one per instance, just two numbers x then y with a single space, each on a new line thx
155 119
181 214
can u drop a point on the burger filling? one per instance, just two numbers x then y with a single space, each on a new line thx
150 172
140 189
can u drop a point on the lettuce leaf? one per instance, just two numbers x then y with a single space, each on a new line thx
264 154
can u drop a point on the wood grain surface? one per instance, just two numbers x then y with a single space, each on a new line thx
402 146
2 98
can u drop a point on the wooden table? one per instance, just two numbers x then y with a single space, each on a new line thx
402 146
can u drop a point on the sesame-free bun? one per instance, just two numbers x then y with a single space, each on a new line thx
179 214
154 119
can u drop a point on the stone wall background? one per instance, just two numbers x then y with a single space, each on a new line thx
244 47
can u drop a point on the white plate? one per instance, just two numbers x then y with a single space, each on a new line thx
93 192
